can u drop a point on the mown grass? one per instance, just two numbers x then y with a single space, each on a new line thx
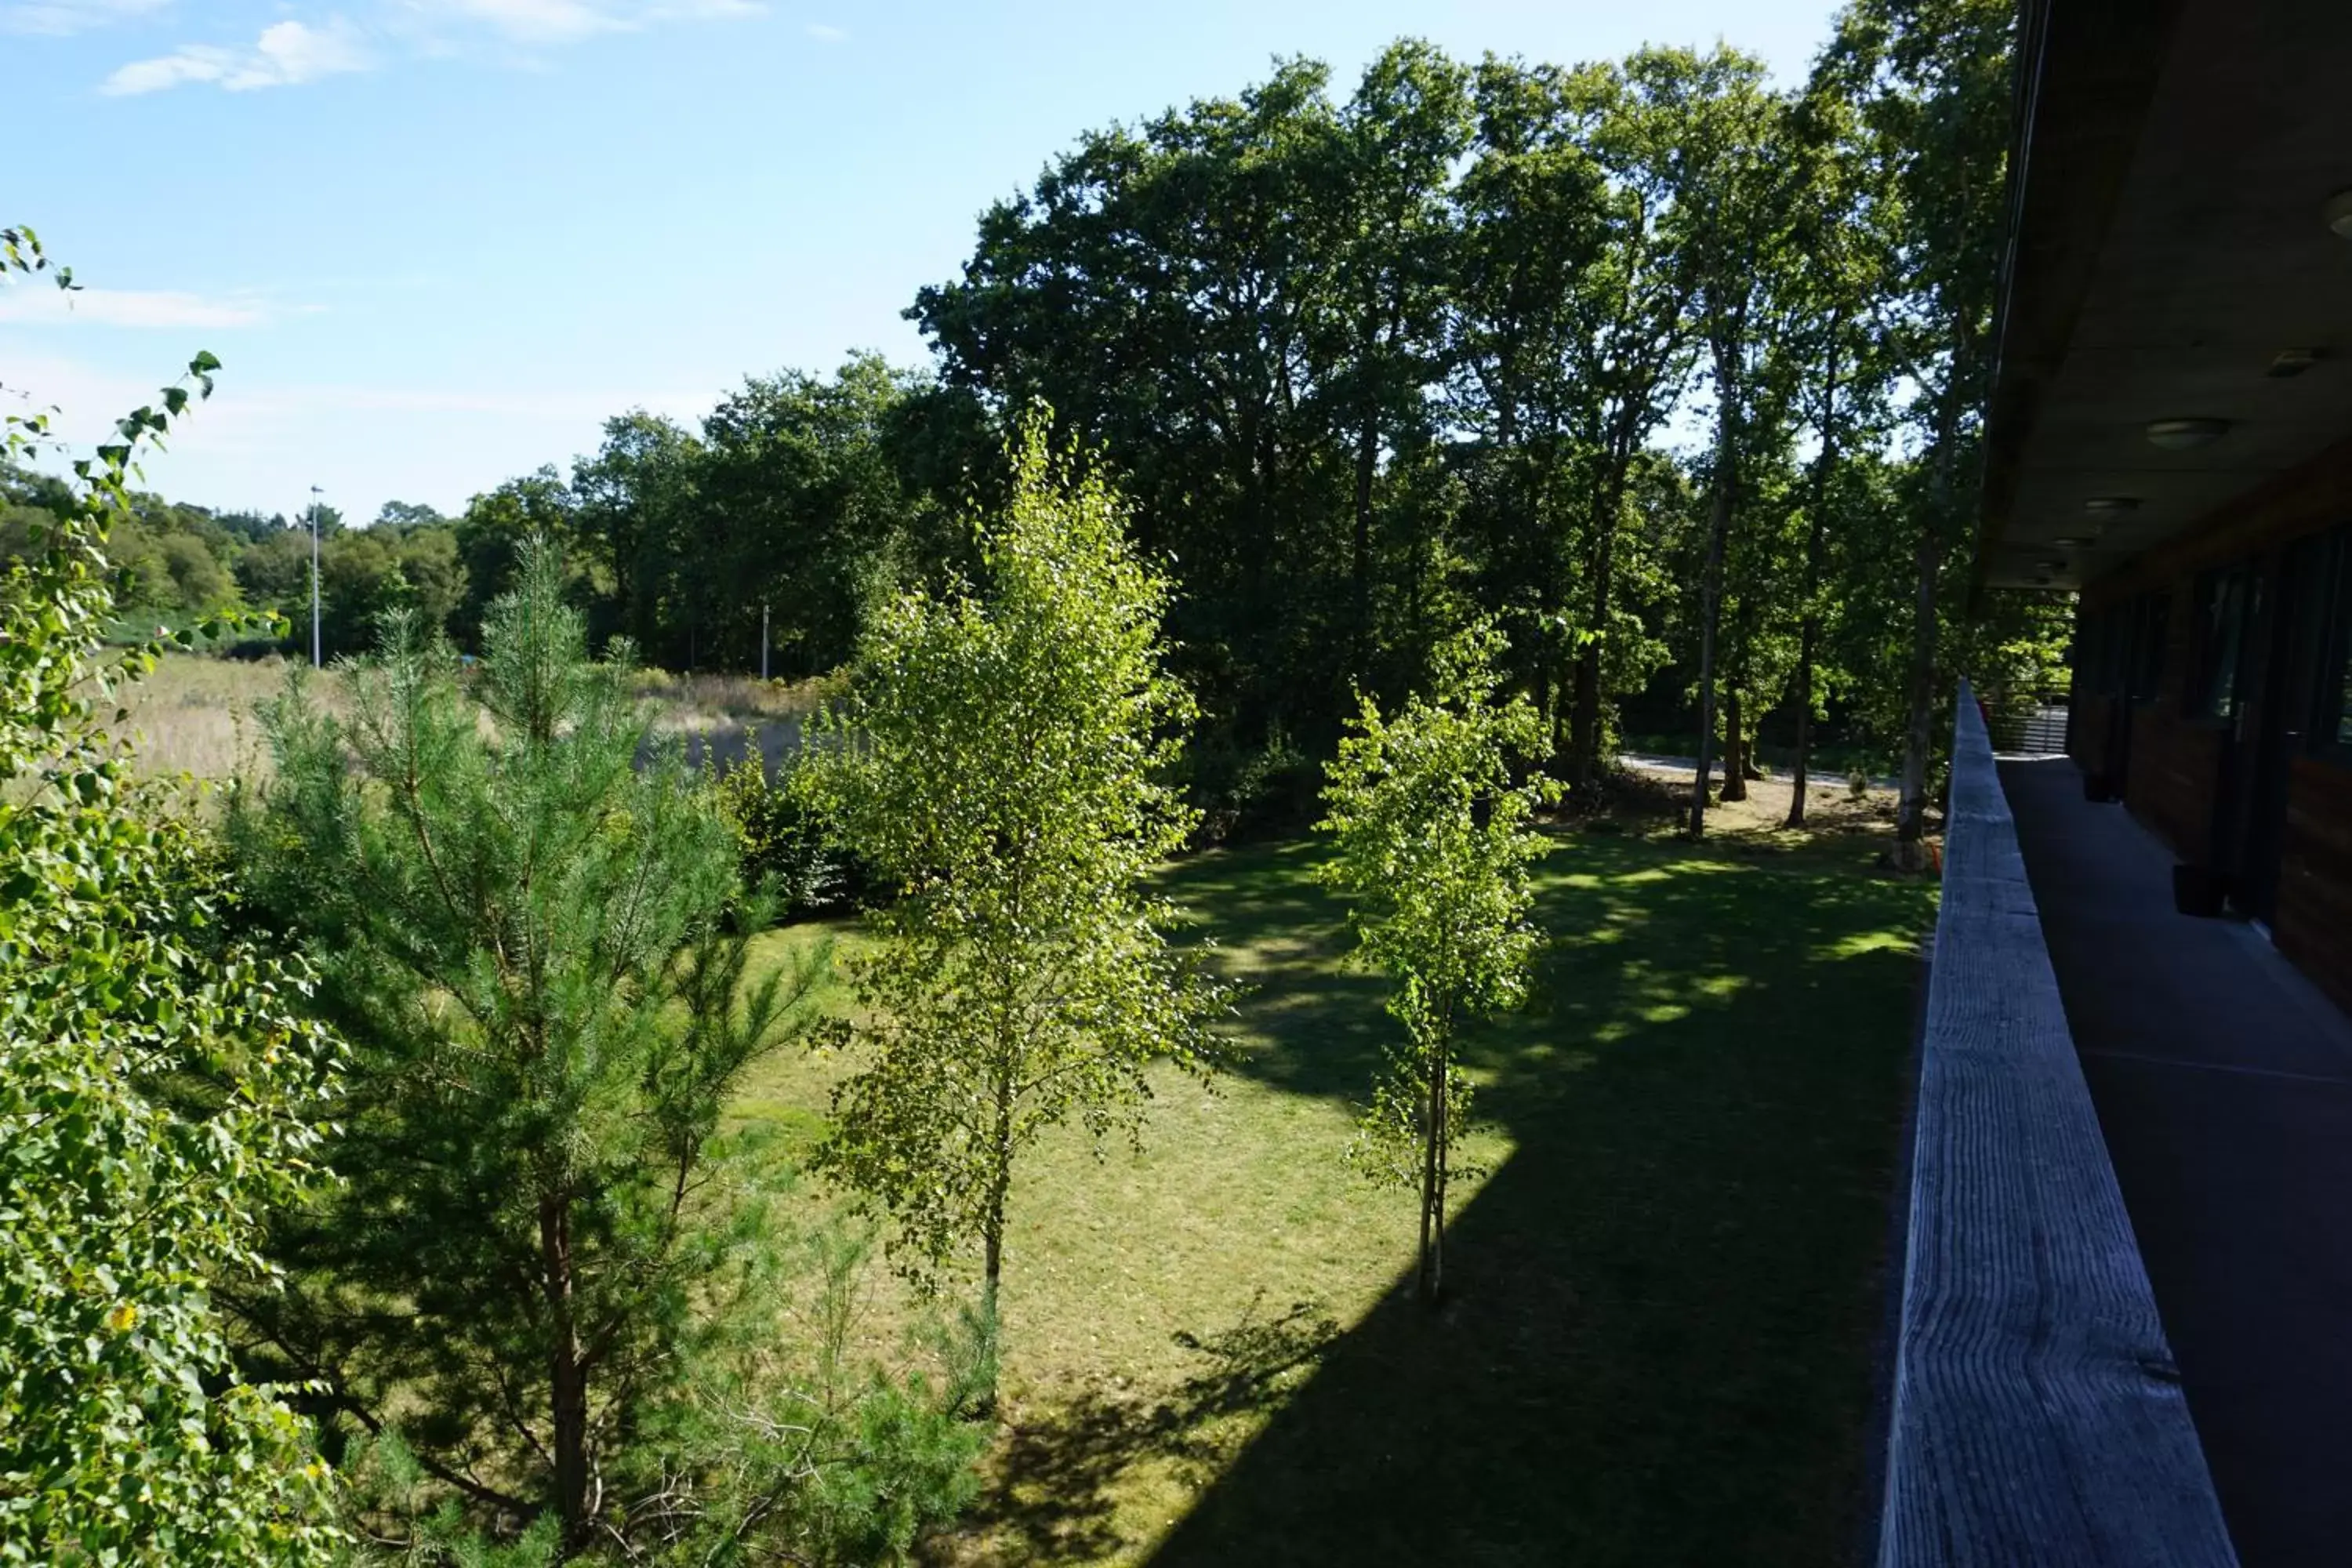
1656 1348
1657 1341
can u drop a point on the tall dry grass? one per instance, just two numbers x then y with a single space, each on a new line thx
194 715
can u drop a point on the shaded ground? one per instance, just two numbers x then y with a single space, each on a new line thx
2223 1084
1656 1348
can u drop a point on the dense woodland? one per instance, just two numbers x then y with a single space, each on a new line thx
1416 437
1676 375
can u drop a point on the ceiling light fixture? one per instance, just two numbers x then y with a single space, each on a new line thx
2293 362
2051 565
2338 214
2108 506
2179 435
2074 542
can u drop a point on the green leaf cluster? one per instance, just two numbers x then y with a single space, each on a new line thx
1004 760
160 1089
528 919
1433 839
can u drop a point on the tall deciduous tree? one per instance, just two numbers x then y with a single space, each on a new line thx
1932 80
1432 844
537 947
1731 228
1002 758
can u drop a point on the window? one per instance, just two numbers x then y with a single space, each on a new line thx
2225 605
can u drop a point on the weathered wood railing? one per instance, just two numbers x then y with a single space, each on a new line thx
2036 1415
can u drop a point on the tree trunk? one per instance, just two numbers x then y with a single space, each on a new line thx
1584 719
1368 448
1430 1278
1806 636
1911 811
1711 589
1735 749
1000 1184
567 1377
1809 629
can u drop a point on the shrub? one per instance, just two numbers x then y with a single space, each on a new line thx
787 844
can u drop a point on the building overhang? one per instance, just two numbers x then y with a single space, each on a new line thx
2170 259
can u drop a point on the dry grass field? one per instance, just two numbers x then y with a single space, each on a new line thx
194 716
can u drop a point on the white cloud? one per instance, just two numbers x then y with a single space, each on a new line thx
287 52
127 308
59 18
536 21
564 21
825 33
290 52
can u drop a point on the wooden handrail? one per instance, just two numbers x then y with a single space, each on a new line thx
2037 1416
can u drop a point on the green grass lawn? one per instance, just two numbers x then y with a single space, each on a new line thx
1662 1298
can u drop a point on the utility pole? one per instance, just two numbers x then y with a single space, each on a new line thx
314 577
763 640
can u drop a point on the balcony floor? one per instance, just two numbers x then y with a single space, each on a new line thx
2223 1084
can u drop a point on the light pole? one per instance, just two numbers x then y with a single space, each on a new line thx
314 577
764 641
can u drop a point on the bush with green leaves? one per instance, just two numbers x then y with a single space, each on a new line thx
786 843
1432 841
127 1199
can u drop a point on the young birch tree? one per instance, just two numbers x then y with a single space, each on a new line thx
1002 760
126 1435
1434 844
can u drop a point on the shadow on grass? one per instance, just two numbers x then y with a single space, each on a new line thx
1655 1347
1059 1467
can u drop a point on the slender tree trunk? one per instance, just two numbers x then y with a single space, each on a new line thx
1000 1186
1430 1277
1367 449
567 1377
1584 719
1711 588
1911 810
1807 636
1735 748
1809 629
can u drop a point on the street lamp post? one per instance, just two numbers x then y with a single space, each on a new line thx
314 577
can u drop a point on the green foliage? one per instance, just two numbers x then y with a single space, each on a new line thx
125 1203
1001 760
786 846
1433 843
537 946
826 1460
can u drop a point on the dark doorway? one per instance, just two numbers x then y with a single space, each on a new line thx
2275 691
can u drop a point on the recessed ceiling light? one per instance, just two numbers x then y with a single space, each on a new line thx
2111 504
2074 542
2337 214
2179 435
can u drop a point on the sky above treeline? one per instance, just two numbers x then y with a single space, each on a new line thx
436 243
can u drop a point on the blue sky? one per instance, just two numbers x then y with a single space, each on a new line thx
436 242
